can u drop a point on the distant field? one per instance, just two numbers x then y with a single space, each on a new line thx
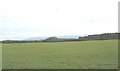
99 54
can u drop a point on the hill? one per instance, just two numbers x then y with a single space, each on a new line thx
104 36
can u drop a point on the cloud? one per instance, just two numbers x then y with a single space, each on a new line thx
35 18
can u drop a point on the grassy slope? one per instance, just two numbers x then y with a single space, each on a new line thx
80 55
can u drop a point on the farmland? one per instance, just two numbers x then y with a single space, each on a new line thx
98 54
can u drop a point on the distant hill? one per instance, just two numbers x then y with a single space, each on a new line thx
68 36
55 39
37 38
43 38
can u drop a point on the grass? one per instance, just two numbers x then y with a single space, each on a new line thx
0 56
99 54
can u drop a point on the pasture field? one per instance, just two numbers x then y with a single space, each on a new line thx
98 54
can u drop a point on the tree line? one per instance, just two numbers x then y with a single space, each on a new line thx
104 36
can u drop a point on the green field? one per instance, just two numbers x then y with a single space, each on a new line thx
98 54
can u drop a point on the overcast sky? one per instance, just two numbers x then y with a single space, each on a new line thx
21 19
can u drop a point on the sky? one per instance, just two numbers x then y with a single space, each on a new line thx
20 19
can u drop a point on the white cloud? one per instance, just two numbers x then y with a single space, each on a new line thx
33 18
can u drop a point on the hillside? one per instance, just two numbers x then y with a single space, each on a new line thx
105 36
